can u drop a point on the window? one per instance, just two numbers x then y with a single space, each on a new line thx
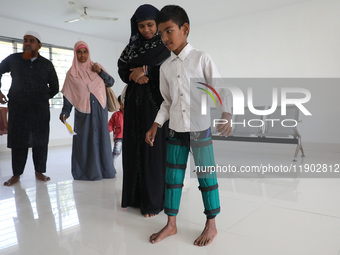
62 61
6 48
61 58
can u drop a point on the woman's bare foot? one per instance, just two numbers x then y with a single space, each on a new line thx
12 180
41 177
169 230
208 234
149 215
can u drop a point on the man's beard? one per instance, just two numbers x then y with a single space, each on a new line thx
27 55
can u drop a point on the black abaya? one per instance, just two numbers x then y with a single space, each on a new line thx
143 166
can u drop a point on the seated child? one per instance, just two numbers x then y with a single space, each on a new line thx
116 125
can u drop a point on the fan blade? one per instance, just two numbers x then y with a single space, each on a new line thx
72 20
72 3
83 14
102 18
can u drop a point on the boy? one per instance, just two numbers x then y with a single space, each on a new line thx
184 63
116 125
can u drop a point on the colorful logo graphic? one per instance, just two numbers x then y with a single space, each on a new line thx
209 93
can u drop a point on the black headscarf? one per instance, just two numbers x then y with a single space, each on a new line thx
134 53
143 12
139 52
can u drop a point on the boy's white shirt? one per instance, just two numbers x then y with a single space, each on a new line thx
175 75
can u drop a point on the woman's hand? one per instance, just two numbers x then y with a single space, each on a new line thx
143 80
96 68
136 73
3 99
63 118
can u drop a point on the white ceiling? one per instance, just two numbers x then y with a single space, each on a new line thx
54 13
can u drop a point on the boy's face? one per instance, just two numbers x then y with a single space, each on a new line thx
173 37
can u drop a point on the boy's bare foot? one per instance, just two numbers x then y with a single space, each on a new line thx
169 230
41 177
12 180
208 234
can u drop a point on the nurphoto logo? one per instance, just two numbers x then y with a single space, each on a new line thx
239 105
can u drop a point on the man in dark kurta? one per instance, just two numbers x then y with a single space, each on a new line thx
34 82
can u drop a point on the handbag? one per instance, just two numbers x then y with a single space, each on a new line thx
112 101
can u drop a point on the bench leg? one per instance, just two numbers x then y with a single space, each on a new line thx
299 147
296 152
302 152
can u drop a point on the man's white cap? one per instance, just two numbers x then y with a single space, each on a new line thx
33 33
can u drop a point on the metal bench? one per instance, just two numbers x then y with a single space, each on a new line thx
272 128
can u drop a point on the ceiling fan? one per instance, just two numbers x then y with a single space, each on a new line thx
84 15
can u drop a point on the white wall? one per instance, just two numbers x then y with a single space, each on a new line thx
297 41
102 51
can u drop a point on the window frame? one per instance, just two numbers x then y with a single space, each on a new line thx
57 100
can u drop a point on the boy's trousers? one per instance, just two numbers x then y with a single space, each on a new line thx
179 145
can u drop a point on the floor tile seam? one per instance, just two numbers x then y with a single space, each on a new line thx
246 216
246 200
304 211
269 203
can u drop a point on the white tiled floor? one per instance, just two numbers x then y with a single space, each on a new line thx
263 216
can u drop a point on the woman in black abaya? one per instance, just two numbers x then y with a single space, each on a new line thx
138 66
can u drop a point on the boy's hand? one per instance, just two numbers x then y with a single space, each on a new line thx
225 129
150 135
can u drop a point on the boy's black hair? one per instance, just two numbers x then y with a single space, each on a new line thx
119 100
172 12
